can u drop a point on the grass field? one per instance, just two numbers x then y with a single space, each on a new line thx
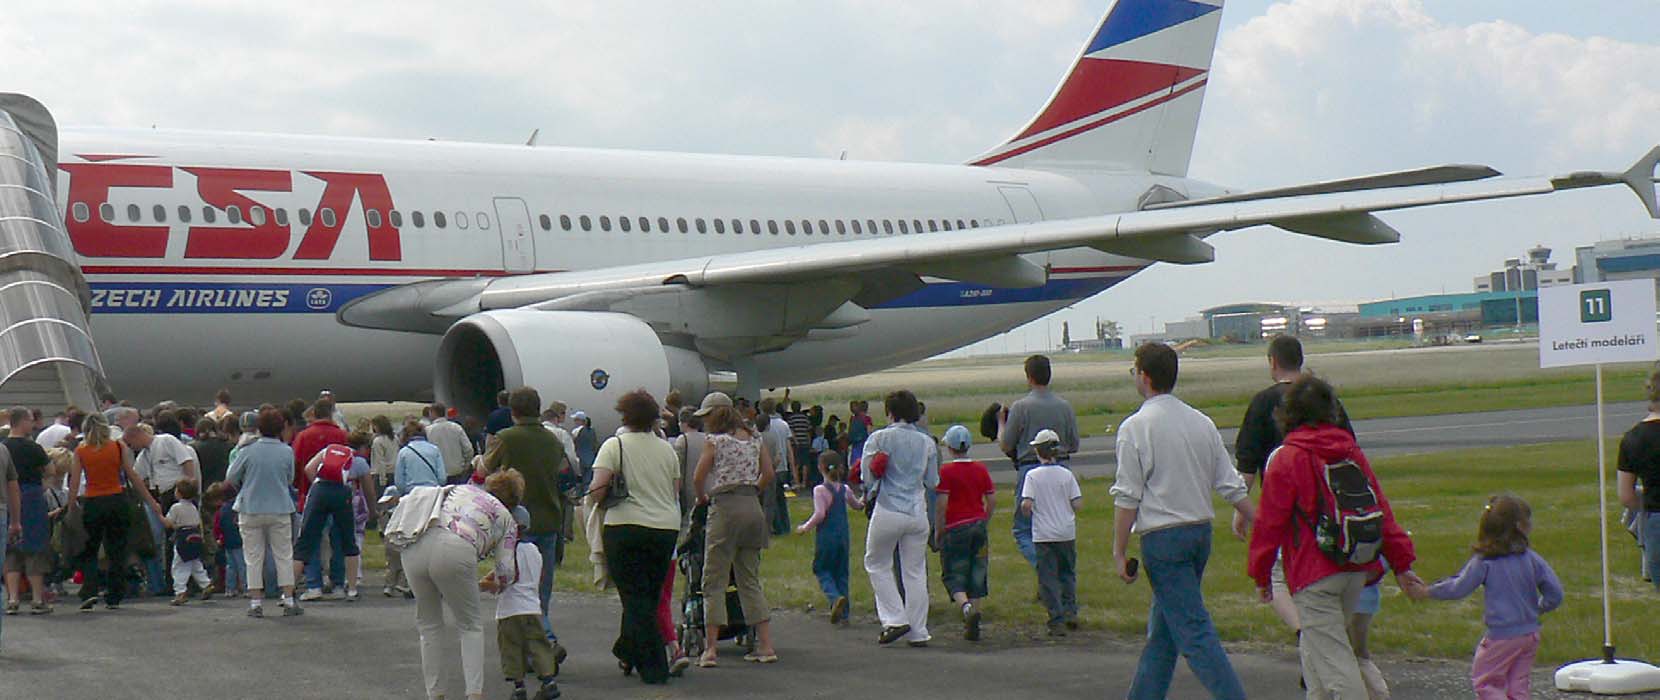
1374 382
1437 497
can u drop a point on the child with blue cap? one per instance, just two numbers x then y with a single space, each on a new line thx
961 527
519 633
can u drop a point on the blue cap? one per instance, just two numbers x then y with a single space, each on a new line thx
958 438
521 516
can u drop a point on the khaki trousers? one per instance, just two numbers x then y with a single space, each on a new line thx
1329 664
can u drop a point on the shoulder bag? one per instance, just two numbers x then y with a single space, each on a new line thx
617 490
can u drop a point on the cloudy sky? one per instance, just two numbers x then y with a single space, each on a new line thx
1301 90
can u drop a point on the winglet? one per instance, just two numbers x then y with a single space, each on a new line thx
1641 177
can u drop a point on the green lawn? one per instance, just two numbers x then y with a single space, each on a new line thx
1437 497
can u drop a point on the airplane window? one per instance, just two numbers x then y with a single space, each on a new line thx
233 214
184 213
624 223
902 229
106 212
645 224
663 224
870 225
974 223
565 221
438 219
160 213
133 212
789 226
547 223
856 230
701 228
419 219
823 227
209 214
960 225
461 220
282 218
806 227
841 227
396 217
305 217
916 225
933 225
720 226
81 211
587 224
887 226
604 223
483 221
755 227
737 226
772 227
681 224
327 215
256 215
372 216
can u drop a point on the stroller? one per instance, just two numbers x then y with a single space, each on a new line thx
690 562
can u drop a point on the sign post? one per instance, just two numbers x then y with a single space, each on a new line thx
1597 324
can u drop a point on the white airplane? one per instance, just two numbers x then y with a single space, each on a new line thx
278 265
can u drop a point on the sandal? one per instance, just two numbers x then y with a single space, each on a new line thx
756 658
707 661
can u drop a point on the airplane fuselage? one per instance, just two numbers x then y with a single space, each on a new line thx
220 260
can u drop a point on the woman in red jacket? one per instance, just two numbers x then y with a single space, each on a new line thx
1293 495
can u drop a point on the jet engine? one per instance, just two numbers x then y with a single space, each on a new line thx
586 359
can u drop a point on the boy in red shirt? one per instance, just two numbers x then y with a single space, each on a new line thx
961 527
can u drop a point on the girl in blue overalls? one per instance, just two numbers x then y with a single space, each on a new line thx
830 550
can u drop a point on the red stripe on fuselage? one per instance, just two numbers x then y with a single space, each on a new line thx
1100 122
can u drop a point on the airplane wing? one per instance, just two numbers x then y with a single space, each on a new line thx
1173 232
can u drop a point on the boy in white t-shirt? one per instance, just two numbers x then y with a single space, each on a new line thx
185 520
519 633
1050 497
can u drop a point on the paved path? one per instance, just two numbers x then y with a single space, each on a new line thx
370 650
1382 437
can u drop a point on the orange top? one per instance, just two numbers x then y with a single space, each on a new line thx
102 467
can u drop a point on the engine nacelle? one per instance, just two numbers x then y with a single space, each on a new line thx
583 358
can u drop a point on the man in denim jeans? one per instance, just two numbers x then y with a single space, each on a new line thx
11 520
1170 459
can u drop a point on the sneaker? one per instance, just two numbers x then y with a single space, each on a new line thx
918 643
292 610
893 634
112 605
352 595
207 594
311 595
11 607
41 609
180 599
386 591
971 622
678 666
838 610
88 604
549 691
559 654
256 611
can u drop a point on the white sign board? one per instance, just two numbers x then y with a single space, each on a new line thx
1594 324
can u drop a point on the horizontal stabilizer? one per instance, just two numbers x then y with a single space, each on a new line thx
1435 175
1185 249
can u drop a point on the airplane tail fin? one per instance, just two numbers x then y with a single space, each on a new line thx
1131 101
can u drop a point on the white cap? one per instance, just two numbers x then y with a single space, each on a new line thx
1046 437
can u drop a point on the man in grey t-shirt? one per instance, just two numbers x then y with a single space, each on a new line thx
1019 424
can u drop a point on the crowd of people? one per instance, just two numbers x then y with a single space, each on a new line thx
275 502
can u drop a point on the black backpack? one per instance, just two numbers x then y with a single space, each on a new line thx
1348 519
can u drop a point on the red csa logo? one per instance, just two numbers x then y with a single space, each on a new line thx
90 185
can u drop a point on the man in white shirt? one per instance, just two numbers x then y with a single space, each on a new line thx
1170 459
453 444
162 461
54 434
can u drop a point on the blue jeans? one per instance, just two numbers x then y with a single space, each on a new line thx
1023 522
1174 559
157 582
236 570
328 508
545 544
337 563
1651 547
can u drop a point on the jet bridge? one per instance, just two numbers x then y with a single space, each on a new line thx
47 357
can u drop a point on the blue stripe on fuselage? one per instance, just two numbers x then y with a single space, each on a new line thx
327 298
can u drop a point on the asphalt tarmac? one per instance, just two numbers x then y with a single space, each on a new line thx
1382 437
342 651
